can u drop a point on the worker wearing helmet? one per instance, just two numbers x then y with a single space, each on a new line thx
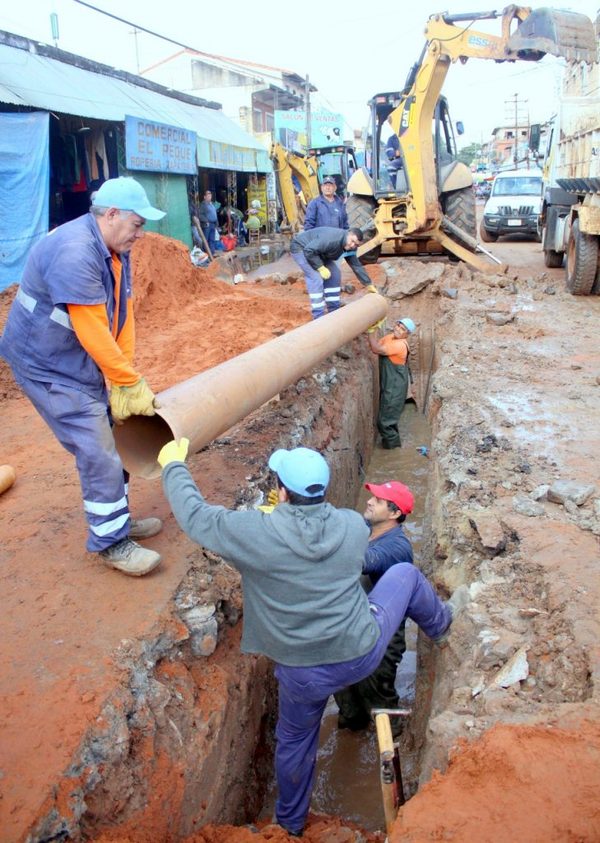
70 327
394 376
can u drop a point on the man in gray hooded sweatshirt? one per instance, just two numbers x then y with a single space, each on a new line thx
304 606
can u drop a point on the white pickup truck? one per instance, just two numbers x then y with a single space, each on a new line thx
514 205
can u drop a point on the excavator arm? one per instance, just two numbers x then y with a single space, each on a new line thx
286 165
525 35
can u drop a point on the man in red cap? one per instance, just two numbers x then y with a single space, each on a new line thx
388 545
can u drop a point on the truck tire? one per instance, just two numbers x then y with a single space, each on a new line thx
582 261
461 209
487 236
360 211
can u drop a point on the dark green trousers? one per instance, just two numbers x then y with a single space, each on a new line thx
393 389
376 691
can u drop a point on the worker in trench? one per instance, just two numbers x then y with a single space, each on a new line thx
70 327
394 377
316 251
304 605
388 545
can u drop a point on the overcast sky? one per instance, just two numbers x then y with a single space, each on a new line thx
350 50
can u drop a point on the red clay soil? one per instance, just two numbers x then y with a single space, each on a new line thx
63 614
538 784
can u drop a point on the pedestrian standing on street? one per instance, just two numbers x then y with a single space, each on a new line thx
70 326
304 606
394 378
388 545
316 251
207 214
327 210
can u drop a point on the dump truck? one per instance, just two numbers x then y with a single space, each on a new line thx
429 209
570 218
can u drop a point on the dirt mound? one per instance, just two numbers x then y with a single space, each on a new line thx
534 783
201 321
8 387
165 278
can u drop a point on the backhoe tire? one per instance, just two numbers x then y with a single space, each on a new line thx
582 261
460 208
361 210
552 259
487 236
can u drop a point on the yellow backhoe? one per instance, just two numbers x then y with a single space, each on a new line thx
423 202
297 180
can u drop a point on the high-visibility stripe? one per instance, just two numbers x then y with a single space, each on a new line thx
333 290
98 508
61 318
28 302
315 296
109 526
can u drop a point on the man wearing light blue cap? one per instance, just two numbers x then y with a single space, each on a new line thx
304 606
70 328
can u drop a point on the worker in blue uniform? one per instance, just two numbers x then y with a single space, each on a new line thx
71 328
385 512
327 209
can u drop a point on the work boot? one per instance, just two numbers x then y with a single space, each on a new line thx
130 558
458 600
144 528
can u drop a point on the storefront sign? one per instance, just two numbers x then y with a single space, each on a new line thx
159 148
326 129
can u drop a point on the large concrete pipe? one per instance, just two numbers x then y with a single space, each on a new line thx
208 404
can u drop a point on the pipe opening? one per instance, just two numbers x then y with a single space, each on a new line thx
139 441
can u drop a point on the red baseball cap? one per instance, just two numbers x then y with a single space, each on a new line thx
394 492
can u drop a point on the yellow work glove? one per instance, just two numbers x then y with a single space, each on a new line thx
173 451
372 289
266 509
273 497
136 400
324 273
376 326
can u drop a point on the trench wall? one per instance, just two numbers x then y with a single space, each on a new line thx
510 418
186 737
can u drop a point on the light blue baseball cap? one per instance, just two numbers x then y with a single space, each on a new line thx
301 469
126 194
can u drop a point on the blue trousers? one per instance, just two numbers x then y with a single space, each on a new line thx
401 592
322 294
210 232
82 426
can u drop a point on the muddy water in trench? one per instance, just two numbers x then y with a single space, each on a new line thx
347 782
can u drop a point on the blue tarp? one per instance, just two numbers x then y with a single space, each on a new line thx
24 189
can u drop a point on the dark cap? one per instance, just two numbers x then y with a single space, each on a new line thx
328 180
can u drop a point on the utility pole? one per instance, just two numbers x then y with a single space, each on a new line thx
134 32
516 115
307 112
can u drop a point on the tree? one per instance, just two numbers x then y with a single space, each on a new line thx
468 153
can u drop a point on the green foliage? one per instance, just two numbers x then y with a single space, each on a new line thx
468 153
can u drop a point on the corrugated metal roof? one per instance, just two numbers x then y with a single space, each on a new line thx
29 79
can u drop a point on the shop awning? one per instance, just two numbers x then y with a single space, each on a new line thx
30 79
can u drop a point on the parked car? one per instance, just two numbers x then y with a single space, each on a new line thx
514 205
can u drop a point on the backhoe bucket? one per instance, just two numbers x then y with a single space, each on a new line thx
566 34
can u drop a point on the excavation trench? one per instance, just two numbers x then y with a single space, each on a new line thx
130 714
